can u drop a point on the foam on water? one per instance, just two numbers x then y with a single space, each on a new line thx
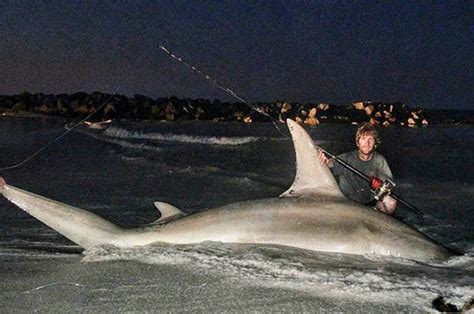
334 275
134 146
116 132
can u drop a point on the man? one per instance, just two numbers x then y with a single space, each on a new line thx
369 162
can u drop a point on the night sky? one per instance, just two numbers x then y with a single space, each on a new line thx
417 52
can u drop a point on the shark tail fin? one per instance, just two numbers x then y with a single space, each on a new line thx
82 227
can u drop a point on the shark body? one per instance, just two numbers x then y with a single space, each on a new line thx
312 214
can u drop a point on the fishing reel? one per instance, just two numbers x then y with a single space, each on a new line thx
381 188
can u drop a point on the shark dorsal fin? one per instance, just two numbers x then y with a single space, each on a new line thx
168 212
312 176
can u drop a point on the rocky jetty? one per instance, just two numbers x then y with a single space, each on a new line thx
139 107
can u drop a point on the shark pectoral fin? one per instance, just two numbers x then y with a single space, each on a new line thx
168 212
312 176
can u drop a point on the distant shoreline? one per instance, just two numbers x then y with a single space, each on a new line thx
139 107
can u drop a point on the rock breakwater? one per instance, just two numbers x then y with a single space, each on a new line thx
141 107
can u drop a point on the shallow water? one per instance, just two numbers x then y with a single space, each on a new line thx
120 171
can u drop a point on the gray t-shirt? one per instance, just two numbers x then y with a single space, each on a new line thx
354 187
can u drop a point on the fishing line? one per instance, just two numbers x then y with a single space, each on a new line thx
220 86
68 130
175 57
64 133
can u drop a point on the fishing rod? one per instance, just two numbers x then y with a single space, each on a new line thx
380 187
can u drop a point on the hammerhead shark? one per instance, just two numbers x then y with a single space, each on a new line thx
312 214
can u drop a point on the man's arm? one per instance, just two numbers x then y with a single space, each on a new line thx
388 204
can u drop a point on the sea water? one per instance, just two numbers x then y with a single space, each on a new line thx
118 172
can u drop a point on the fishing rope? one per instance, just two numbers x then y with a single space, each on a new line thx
221 86
65 132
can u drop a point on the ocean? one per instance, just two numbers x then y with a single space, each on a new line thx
119 171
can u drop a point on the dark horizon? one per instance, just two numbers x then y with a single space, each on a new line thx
338 52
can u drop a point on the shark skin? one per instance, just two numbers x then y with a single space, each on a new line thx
312 214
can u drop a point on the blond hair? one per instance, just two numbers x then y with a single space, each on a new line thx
368 129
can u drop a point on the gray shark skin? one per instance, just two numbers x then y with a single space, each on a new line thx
313 214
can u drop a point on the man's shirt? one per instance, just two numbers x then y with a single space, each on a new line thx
353 186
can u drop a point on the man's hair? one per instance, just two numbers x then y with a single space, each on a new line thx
368 129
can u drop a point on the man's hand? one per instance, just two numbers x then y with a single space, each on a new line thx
387 205
2 183
325 160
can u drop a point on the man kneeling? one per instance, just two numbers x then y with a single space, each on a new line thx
369 162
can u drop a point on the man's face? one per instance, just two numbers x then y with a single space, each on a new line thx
366 144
